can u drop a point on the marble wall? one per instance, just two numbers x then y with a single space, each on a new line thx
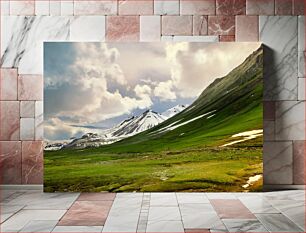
279 24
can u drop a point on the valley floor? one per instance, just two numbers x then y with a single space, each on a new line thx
200 169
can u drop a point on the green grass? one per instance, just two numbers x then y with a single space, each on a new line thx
205 169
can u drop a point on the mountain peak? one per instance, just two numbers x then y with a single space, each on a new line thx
174 110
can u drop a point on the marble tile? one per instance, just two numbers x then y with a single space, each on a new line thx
290 120
203 7
298 7
205 217
9 195
260 7
39 226
277 159
237 225
257 205
27 129
87 28
124 214
230 7
5 194
122 28
221 25
22 7
166 7
107 7
177 25
8 87
86 213
97 197
42 7
150 28
225 38
188 198
279 35
217 195
21 219
30 87
122 220
247 28
231 209
47 201
164 213
293 195
27 109
163 199
5 7
10 152
74 229
301 89
269 110
301 47
55 8
135 7
200 25
18 34
277 223
195 38
294 210
66 7
165 226
269 131
134 196
283 7
8 210
9 120
32 162
39 120
299 162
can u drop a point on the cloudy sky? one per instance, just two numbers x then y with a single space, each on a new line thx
100 84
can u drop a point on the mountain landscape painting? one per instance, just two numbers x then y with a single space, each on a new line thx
153 117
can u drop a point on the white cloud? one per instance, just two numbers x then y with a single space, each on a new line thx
195 65
164 90
84 93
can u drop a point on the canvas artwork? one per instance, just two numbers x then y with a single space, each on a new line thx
153 117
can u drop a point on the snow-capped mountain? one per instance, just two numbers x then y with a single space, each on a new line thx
127 128
135 125
173 111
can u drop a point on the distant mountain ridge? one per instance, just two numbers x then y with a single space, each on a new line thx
127 128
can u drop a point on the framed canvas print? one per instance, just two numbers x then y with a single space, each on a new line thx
153 117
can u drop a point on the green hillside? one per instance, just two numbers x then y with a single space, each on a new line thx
236 100
186 158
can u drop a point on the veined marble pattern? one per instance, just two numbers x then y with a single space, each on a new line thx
279 35
167 7
301 47
22 40
278 163
105 7
290 120
32 161
10 162
39 120
87 29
